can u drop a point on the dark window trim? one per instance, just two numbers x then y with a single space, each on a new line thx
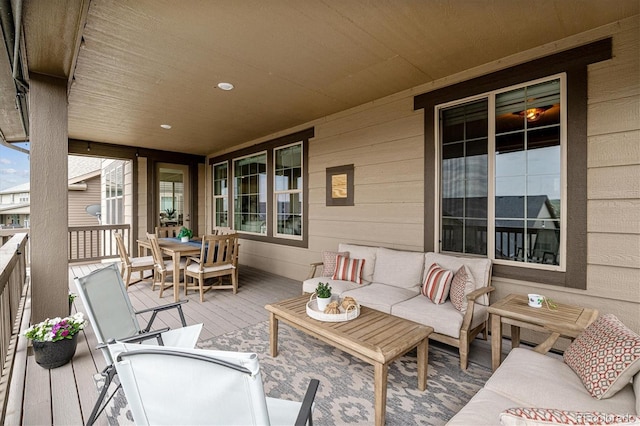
268 146
574 63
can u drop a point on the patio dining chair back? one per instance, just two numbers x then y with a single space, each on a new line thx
167 231
132 264
217 259
207 387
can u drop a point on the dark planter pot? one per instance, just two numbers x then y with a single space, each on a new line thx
55 354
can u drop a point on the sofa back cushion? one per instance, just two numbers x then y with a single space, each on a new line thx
362 252
398 268
480 268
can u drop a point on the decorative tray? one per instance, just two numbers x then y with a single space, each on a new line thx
314 312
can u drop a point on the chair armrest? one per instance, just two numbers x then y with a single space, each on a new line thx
155 334
546 346
312 270
174 305
471 302
570 331
306 410
191 260
479 292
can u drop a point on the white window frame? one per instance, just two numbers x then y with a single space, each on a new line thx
274 220
221 196
490 96
232 206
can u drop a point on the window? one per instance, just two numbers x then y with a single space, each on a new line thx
113 193
288 190
520 157
220 195
250 194
574 64
261 191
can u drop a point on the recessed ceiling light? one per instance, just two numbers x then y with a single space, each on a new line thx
225 86
166 126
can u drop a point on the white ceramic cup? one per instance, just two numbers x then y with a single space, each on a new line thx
535 300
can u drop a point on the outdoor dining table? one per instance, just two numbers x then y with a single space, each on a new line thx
176 249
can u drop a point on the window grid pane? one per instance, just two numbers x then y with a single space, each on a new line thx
528 174
464 178
250 194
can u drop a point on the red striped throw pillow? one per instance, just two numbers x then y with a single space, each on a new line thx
437 283
348 269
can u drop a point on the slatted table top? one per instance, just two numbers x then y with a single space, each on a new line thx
373 336
516 306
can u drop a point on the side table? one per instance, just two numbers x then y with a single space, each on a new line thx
515 311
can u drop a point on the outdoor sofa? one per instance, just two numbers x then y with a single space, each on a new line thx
595 382
391 281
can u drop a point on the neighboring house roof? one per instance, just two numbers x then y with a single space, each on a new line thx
21 208
80 168
23 187
538 207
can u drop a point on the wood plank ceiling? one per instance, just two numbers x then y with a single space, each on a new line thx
134 65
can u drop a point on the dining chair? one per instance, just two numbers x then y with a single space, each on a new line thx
225 230
207 387
111 315
132 264
163 268
167 231
217 258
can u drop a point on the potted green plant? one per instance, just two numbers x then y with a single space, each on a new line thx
185 234
323 295
171 213
54 340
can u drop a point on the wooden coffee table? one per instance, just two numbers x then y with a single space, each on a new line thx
374 337
514 310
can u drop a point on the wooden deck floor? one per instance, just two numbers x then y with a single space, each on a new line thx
66 395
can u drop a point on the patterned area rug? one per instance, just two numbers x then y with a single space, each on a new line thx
345 395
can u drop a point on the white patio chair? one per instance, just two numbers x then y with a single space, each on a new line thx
112 317
206 387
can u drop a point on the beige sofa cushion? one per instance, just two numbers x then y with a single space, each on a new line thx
445 319
480 268
362 252
531 379
381 296
398 268
483 409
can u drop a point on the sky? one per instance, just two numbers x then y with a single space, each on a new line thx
14 166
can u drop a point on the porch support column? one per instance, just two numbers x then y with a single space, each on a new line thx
48 132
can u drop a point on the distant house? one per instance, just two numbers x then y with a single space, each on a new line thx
84 190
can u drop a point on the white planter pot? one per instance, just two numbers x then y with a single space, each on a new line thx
184 239
323 302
